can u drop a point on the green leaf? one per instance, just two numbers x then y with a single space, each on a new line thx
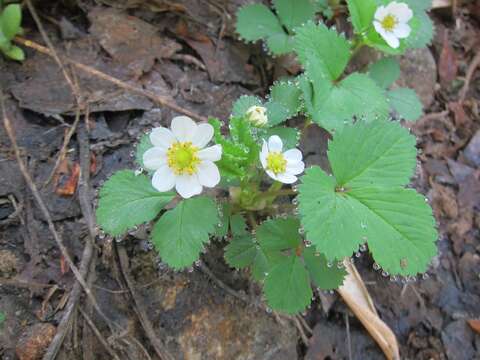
243 103
365 201
325 277
179 235
142 146
280 43
279 234
2 318
333 106
224 224
330 50
256 21
290 136
399 227
287 286
385 72
127 200
361 14
284 100
10 20
238 225
382 153
15 53
406 103
294 13
241 252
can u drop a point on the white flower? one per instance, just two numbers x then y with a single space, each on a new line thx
281 166
391 22
180 158
257 115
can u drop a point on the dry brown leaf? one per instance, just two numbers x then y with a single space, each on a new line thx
355 294
474 324
447 65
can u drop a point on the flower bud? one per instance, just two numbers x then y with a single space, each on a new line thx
257 115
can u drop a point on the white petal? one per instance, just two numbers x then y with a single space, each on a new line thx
391 40
293 155
163 179
203 135
212 153
208 174
162 137
379 28
183 128
295 168
286 178
271 174
275 144
401 11
264 154
402 31
154 158
188 186
380 13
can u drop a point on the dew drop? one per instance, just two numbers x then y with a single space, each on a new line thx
358 254
295 201
385 273
376 267
425 276
268 310
340 265
363 247
301 230
329 264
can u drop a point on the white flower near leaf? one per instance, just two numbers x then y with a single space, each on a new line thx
257 115
181 159
391 22
281 166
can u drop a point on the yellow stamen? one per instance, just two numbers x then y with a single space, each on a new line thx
389 22
182 158
276 162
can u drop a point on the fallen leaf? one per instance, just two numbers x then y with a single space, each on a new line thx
447 65
356 296
474 324
70 185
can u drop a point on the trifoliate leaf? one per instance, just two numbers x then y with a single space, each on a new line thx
127 200
180 234
323 276
241 252
385 72
280 43
10 20
422 31
334 105
256 21
290 136
287 286
364 200
143 145
331 50
294 13
399 227
406 103
382 153
243 103
361 14
279 234
276 112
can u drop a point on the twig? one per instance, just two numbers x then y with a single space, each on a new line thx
430 117
301 331
468 77
221 284
159 347
304 323
92 71
88 251
98 334
63 150
53 53
349 340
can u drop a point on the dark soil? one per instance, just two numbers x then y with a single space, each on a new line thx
187 52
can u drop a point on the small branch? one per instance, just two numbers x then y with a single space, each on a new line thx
468 77
157 344
98 334
122 84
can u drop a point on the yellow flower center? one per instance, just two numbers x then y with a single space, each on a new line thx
183 158
276 163
389 22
